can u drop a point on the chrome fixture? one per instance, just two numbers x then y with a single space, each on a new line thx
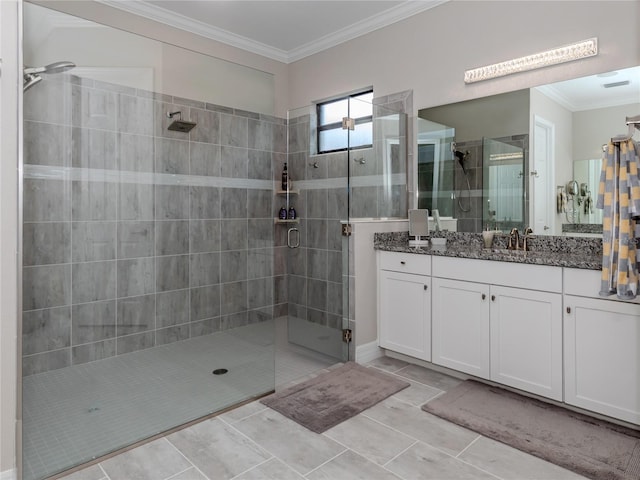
528 232
31 75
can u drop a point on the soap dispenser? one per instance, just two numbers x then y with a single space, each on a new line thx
292 213
282 215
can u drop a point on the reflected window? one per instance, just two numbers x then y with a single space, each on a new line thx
331 136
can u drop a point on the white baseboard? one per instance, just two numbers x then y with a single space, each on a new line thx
368 352
9 475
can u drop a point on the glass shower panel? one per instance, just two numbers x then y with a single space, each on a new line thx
503 195
148 253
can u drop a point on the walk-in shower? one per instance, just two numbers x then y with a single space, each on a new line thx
32 74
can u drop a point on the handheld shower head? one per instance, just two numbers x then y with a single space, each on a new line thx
31 75
461 157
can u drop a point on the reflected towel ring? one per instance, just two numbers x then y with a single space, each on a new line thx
314 165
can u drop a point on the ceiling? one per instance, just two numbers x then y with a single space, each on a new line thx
284 30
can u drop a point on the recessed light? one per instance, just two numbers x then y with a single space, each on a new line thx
607 74
616 84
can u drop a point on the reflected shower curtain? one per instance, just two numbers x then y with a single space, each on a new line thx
619 197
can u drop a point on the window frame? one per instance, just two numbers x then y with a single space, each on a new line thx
335 125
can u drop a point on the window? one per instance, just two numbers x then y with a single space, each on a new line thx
331 136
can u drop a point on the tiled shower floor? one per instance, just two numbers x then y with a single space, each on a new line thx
74 414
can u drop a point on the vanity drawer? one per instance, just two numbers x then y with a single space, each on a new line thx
405 262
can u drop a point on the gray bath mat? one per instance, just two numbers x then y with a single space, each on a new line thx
594 448
333 397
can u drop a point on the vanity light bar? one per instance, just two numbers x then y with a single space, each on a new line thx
567 53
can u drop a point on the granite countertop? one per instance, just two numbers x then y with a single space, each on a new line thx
571 252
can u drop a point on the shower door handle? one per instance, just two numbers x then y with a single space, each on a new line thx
290 235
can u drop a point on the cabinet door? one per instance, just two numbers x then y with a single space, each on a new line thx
405 314
526 340
602 356
460 326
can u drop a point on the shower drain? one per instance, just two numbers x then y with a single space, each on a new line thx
220 371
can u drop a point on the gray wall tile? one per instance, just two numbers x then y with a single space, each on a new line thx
172 334
93 281
46 200
136 277
259 165
135 239
93 321
259 204
172 237
205 302
260 263
172 273
47 329
172 156
171 201
233 162
135 115
136 202
233 265
205 268
46 243
260 134
205 159
233 203
205 202
233 131
92 148
233 235
43 362
46 286
135 342
259 293
234 297
93 108
317 264
94 200
136 152
208 128
136 314
172 308
93 241
204 235
91 352
46 144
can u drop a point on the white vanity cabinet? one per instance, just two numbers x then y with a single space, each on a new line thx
500 321
404 293
601 349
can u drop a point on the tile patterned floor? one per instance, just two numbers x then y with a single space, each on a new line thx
392 440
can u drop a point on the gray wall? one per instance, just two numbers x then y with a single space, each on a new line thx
137 236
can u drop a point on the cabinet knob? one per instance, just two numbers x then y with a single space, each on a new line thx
568 309
493 298
403 262
484 296
425 287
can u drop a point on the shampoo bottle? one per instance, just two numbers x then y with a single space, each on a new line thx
285 178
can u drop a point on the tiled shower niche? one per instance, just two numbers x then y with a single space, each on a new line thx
136 236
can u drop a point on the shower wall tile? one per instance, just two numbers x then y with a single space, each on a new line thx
334 266
172 334
46 243
136 314
135 239
261 134
234 162
204 327
47 329
297 290
172 273
233 266
260 293
298 261
233 131
234 320
259 203
43 362
260 263
259 165
46 200
204 235
135 342
317 316
136 153
317 264
93 321
234 204
334 298
205 202
94 200
172 156
172 308
317 233
46 144
317 201
91 148
171 202
91 352
234 234
205 302
205 159
260 233
280 293
136 202
233 297
135 115
171 237
317 294
46 286
93 281
136 277
205 268
93 108
50 102
207 129
93 241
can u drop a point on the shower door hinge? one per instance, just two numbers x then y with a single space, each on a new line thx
347 335
346 230
348 123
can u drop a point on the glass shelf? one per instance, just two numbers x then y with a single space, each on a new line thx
280 221
287 192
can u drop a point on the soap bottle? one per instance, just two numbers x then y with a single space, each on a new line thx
282 215
285 178
292 213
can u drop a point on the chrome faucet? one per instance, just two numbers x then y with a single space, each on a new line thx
525 237
514 240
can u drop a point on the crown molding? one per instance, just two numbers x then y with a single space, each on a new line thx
173 19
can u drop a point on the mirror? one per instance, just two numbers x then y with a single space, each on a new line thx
518 148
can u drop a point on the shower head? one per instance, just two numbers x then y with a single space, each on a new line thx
180 125
57 67
461 157
31 75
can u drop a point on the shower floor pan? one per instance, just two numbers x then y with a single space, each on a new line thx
75 414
